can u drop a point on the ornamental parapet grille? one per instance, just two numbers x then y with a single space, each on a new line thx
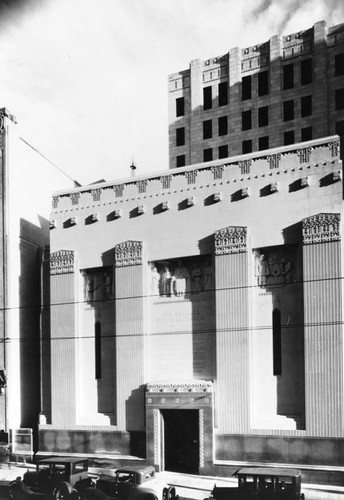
230 240
62 262
128 253
196 386
321 228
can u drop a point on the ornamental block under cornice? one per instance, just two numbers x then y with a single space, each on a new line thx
195 386
62 262
230 240
128 253
321 228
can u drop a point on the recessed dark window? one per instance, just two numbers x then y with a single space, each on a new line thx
246 120
288 76
223 93
98 350
339 64
223 151
306 71
207 98
306 134
246 146
289 137
263 116
207 129
263 143
263 83
223 125
288 110
246 88
180 106
180 136
340 127
180 161
207 154
340 99
277 342
306 105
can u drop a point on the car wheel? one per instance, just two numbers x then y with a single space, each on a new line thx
92 493
63 491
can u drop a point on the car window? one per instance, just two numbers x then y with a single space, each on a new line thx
80 467
125 477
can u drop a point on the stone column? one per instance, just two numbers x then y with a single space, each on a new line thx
232 313
63 339
130 331
323 324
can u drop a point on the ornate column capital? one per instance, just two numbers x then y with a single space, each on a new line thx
321 228
62 262
231 239
128 253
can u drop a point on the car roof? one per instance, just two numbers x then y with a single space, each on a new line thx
61 460
269 471
137 468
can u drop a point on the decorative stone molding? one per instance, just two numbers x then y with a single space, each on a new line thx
244 192
321 228
245 166
217 197
128 253
52 224
165 206
217 171
273 187
141 209
119 188
191 176
337 175
274 160
117 213
304 182
166 181
156 425
304 154
74 198
194 386
334 148
142 185
94 217
55 201
191 201
96 194
62 262
230 240
73 221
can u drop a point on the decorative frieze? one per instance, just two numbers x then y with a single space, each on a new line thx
334 148
166 181
96 194
128 253
191 176
156 426
245 166
304 154
274 160
230 240
119 188
142 185
321 228
62 262
55 202
217 171
74 198
194 386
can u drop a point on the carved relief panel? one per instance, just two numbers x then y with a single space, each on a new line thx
97 284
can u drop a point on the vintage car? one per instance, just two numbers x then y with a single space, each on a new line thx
134 483
60 477
262 483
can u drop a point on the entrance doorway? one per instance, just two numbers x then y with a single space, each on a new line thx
181 440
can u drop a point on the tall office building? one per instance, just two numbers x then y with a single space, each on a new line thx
283 91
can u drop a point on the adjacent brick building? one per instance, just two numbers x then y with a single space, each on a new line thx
283 91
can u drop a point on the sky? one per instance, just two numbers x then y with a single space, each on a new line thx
87 79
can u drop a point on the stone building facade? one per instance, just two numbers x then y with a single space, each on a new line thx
283 91
207 299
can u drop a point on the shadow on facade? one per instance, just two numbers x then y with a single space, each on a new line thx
135 404
33 239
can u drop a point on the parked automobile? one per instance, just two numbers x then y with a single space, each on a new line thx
134 483
262 483
63 478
